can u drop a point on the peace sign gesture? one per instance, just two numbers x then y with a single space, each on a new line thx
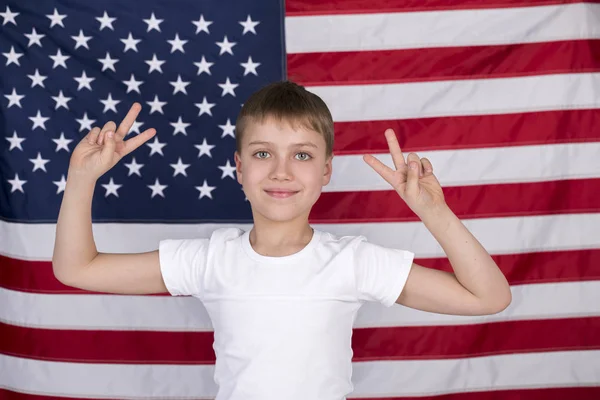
416 185
102 148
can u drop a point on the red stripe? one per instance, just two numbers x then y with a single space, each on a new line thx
446 63
572 393
320 7
479 201
481 131
542 267
398 343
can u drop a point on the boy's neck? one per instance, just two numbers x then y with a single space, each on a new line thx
276 239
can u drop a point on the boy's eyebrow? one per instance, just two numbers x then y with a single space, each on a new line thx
301 144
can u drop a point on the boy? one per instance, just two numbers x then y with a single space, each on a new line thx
282 296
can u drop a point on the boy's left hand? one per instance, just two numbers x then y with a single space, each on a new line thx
418 187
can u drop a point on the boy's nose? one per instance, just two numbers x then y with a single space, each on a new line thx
281 170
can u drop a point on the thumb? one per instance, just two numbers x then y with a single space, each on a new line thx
412 180
108 147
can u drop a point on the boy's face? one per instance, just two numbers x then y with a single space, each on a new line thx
282 169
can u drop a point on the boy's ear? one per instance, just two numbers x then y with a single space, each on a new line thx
238 166
328 170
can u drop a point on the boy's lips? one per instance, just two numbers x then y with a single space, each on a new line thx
281 193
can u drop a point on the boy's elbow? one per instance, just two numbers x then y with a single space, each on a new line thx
501 303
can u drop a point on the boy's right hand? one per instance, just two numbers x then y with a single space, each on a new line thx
102 148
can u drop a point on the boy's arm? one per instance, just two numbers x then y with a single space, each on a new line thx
76 261
477 286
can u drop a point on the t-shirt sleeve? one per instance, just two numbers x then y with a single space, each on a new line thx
183 264
381 272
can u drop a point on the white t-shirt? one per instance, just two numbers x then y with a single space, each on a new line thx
283 325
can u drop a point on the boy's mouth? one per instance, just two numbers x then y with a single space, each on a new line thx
280 193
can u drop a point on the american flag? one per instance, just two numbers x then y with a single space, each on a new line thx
502 96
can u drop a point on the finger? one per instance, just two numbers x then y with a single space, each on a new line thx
412 180
128 121
427 166
108 148
137 141
386 172
92 136
413 157
395 150
109 126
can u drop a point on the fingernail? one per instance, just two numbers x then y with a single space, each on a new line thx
413 165
110 134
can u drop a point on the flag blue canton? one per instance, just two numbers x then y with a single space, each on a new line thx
68 66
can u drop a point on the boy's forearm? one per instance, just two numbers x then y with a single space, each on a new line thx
473 267
74 246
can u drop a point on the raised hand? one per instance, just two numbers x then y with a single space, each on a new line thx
415 183
102 148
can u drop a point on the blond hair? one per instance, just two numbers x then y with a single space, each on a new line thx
290 102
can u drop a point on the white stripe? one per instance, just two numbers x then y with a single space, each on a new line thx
461 97
389 31
370 379
506 235
468 167
106 312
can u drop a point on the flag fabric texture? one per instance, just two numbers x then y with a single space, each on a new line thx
502 96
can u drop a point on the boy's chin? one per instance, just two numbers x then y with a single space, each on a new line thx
281 214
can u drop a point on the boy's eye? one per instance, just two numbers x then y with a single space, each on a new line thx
303 156
261 154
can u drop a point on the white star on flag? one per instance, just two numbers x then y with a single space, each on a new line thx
155 64
203 66
85 123
14 99
108 62
249 25
204 107
111 188
226 46
177 44
37 79
228 129
180 168
130 43
39 121
157 189
60 184
204 148
156 146
202 25
179 85
110 103
228 88
156 105
9 16
39 162
59 59
12 57
250 67
16 184
134 168
61 100
56 18
62 143
228 170
205 190
15 141
106 21
153 23
179 126
84 81
132 84
81 40
34 38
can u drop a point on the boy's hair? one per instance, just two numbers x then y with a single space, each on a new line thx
290 102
